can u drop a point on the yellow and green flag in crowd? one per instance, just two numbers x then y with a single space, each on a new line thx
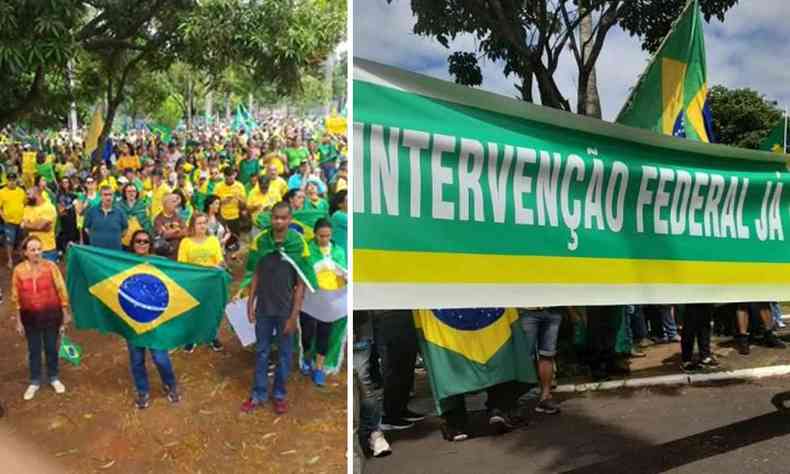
776 141
469 349
671 96
94 130
150 301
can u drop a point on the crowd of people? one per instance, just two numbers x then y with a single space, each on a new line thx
199 197
602 338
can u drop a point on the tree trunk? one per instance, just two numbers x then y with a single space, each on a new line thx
189 103
28 103
227 108
209 106
588 100
550 95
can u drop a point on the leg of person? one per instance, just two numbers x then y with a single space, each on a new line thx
34 342
548 334
454 415
322 331
602 333
668 324
165 368
216 345
139 375
371 435
769 338
284 349
703 336
776 312
399 350
501 400
688 335
51 348
639 327
264 326
308 325
741 327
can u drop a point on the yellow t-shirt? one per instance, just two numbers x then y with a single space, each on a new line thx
12 203
128 161
208 253
157 196
29 162
277 189
47 212
257 198
148 185
222 190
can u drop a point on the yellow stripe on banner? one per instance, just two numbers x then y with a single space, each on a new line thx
380 266
694 114
673 76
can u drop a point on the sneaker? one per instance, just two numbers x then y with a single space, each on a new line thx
781 324
637 353
499 418
31 391
379 445
143 401
689 367
306 368
452 433
644 343
548 406
250 405
675 338
742 344
319 377
393 424
58 386
280 407
409 415
189 348
770 340
216 346
172 395
709 362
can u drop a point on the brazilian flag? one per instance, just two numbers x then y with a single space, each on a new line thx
671 96
467 350
302 221
775 141
150 301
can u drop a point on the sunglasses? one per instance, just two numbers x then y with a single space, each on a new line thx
142 242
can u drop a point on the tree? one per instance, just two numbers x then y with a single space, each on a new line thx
742 117
529 37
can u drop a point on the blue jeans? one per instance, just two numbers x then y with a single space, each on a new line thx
544 327
636 328
48 339
776 312
264 329
140 374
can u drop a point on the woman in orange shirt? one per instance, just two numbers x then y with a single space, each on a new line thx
42 307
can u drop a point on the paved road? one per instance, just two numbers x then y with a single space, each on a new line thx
732 428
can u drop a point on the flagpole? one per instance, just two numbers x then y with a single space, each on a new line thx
784 150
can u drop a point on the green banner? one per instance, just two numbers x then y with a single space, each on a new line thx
464 198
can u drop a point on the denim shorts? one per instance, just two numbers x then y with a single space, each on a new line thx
544 326
10 232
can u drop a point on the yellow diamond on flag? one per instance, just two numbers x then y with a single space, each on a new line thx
475 333
144 297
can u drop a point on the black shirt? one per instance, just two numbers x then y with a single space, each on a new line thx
276 281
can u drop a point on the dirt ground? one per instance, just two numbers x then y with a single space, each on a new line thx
95 427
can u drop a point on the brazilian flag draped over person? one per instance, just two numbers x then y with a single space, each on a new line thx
294 250
775 141
302 221
150 301
470 349
671 96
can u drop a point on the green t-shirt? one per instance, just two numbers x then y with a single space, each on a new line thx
247 169
296 156
321 205
47 171
326 153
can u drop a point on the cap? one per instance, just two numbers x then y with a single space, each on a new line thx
123 180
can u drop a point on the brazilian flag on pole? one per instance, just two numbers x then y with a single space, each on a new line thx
468 350
150 301
776 141
671 96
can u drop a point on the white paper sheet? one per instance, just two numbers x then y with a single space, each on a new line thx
237 315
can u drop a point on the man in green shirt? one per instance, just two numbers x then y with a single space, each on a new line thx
296 152
248 167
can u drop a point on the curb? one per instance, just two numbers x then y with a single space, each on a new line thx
677 379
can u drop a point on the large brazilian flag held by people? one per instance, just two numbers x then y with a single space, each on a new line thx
150 301
469 349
